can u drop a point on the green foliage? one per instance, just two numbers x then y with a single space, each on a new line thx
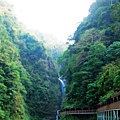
108 81
42 93
113 51
91 95
28 76
78 117
29 88
116 12
11 100
91 67
54 47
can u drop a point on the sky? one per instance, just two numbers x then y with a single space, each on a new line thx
59 18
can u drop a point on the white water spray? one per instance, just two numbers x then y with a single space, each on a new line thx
62 84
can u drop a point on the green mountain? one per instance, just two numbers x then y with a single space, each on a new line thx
54 47
91 66
29 86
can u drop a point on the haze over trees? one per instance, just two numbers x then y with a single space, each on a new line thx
29 87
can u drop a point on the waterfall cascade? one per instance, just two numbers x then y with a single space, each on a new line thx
62 84
62 88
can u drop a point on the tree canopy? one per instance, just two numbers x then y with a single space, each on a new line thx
29 87
91 64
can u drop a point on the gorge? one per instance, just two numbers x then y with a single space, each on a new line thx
34 87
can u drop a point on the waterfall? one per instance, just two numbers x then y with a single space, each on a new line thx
62 84
57 116
62 88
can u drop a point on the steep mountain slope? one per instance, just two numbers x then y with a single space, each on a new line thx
28 78
54 47
91 66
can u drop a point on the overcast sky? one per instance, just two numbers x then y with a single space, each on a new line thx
57 17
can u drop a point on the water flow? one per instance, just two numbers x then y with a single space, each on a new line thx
57 116
62 85
62 88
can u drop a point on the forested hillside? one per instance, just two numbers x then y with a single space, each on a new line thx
29 87
54 47
91 66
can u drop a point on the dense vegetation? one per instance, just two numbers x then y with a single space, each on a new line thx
29 87
78 117
54 47
91 66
